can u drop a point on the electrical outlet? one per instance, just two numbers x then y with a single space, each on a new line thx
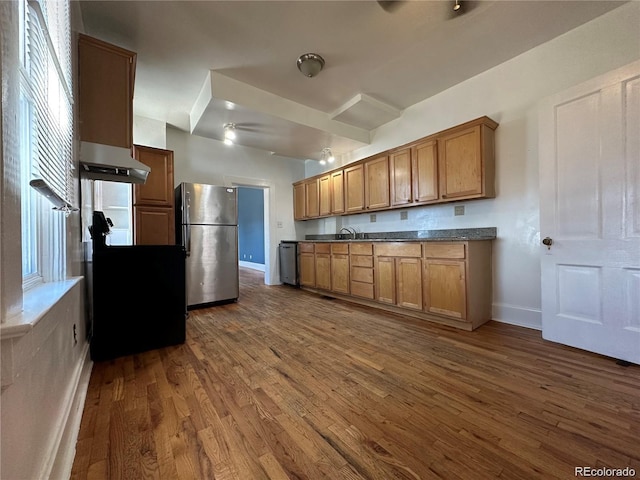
404 215
372 218
458 210
244 256
250 257
278 224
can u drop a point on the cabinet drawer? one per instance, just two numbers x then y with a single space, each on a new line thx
361 274
444 250
323 248
358 248
342 248
306 247
398 249
362 261
364 290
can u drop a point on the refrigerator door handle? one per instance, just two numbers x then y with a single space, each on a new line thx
186 234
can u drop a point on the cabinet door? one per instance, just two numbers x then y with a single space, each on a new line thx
425 171
445 288
153 226
400 171
376 185
340 273
325 195
323 271
354 188
337 192
298 202
307 270
409 282
460 164
158 189
105 92
311 199
385 280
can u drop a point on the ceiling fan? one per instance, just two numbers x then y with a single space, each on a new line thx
458 7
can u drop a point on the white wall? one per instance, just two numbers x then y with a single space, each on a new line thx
508 94
149 132
202 160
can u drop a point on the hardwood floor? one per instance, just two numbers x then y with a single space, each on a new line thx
286 384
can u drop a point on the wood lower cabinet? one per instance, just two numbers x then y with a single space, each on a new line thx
307 265
447 282
340 267
399 274
457 281
153 225
323 265
361 270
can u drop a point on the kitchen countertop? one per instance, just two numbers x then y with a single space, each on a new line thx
457 234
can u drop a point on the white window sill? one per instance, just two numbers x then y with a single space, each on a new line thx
36 303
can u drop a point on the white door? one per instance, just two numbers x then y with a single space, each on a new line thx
590 209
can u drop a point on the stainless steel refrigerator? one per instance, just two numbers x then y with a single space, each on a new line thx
207 227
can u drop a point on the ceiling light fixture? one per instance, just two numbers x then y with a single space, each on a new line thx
457 6
310 64
326 156
229 133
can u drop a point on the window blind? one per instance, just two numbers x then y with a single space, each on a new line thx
47 68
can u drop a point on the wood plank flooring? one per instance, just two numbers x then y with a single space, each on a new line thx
289 385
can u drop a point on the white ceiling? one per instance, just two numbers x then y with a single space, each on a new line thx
203 64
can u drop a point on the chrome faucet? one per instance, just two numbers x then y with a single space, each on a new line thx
350 231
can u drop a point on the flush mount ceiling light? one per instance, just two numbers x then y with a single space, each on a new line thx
229 133
326 156
310 64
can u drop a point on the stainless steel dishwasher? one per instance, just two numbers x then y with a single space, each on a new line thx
289 262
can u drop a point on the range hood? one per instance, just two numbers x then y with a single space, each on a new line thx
114 164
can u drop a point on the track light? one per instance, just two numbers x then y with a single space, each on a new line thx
326 156
229 133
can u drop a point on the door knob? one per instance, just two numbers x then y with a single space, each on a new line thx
548 242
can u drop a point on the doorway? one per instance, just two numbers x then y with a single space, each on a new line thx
251 231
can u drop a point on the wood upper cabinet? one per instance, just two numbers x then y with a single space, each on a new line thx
153 201
312 198
324 185
299 202
106 75
466 162
376 183
158 189
354 188
424 166
337 192
400 166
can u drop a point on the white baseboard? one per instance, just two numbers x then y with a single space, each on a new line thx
515 315
251 265
63 454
